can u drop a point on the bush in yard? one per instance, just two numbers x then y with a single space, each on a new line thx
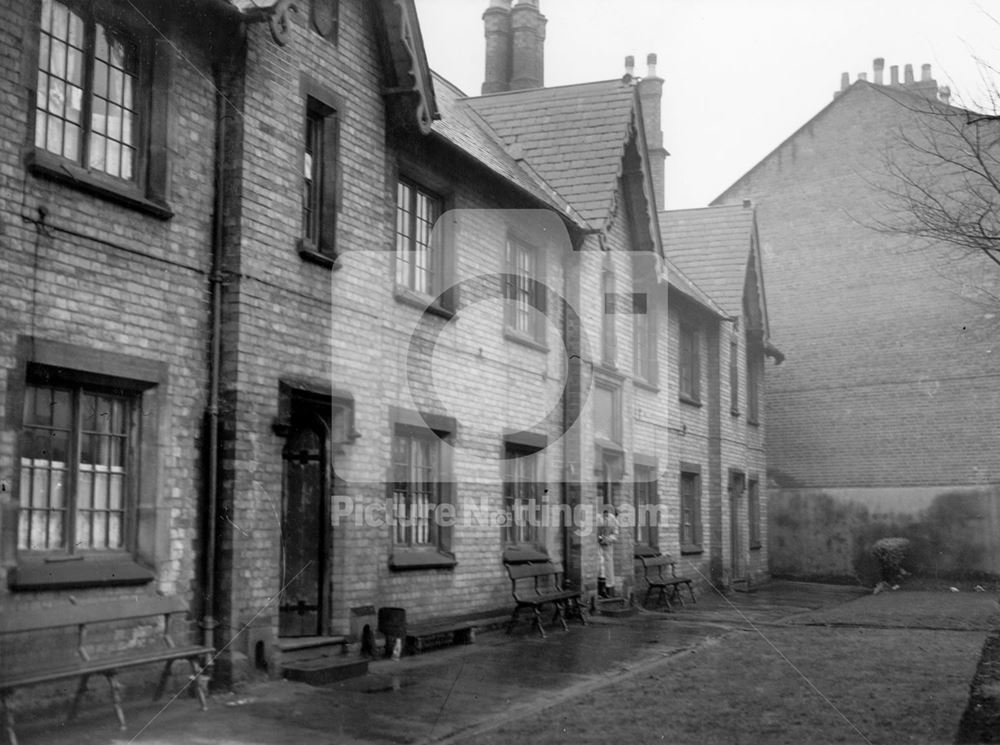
890 553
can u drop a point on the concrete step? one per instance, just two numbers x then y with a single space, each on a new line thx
296 643
613 607
324 670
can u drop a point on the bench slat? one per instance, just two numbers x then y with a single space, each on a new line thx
523 571
68 614
108 663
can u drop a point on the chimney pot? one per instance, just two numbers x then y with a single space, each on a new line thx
908 74
630 65
496 22
650 90
944 93
894 74
845 81
863 76
879 67
527 34
925 72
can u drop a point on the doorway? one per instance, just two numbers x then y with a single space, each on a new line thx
737 486
304 601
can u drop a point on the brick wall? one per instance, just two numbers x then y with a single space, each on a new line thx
113 283
889 379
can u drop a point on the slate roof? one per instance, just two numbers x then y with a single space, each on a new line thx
572 136
711 246
464 128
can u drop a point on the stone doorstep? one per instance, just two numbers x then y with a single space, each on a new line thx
296 643
317 660
323 670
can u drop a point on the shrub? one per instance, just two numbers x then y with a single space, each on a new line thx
890 553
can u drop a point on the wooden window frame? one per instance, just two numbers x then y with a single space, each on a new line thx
689 364
609 309
435 249
645 355
437 432
753 512
321 136
147 188
520 533
615 434
58 364
754 368
690 489
734 377
525 294
647 488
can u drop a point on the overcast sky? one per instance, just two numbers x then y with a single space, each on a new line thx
741 75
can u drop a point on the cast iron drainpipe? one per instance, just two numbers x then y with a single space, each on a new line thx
209 623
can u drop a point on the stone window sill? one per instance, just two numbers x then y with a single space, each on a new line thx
52 167
690 401
424 302
308 252
524 339
403 559
75 572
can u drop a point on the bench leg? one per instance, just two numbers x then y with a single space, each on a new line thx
576 608
8 719
560 615
164 677
691 592
513 619
116 697
81 689
200 683
538 621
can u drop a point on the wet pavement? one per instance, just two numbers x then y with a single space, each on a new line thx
449 694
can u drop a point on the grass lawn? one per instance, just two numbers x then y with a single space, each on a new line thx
875 685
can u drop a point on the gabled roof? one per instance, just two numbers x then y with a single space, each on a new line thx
711 245
897 93
461 126
573 137
680 282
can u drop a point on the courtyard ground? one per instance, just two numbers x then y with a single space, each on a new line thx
789 663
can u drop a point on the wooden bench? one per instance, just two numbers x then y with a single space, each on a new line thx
668 585
46 667
537 583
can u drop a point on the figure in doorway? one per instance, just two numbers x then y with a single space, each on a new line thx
607 537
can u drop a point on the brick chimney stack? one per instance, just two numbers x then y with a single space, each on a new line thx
927 86
527 28
496 21
650 99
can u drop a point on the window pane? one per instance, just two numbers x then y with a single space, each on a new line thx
48 439
101 79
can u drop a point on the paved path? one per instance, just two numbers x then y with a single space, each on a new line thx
446 694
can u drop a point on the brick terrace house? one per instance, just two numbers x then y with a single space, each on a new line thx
719 412
883 420
264 293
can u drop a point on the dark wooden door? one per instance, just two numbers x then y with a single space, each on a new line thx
303 529
736 488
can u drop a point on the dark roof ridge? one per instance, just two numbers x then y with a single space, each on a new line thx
545 89
439 77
